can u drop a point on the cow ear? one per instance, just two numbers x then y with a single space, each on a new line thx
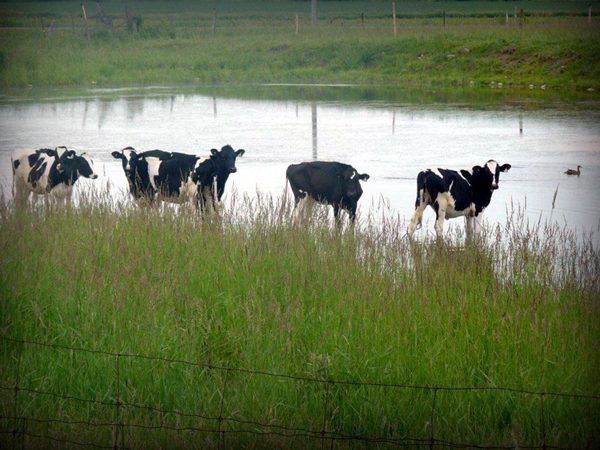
505 167
214 152
364 176
70 154
51 153
116 155
477 169
240 152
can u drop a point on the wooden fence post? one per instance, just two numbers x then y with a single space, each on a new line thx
444 18
394 16
297 24
362 19
313 13
85 22
515 15
214 25
50 28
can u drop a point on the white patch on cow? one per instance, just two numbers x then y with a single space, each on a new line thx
127 154
492 166
437 172
153 167
90 161
353 175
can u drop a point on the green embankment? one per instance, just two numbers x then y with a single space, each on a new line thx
251 291
255 42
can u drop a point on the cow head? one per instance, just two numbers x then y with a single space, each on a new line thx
126 156
350 180
489 174
75 165
225 159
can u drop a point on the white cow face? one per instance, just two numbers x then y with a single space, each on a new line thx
491 173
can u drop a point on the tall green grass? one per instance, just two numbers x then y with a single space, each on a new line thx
249 289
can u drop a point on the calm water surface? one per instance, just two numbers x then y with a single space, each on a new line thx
388 133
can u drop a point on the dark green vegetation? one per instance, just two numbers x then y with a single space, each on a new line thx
256 42
251 291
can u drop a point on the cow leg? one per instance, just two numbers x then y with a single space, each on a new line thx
441 204
22 194
469 226
477 227
352 214
300 209
336 214
417 219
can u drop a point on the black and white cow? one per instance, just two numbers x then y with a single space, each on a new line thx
455 193
177 177
48 172
135 167
327 182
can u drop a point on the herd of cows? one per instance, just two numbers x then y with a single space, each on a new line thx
157 175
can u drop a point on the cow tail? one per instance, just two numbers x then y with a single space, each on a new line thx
421 187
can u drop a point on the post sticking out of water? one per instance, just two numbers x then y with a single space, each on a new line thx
297 24
520 124
394 122
214 107
394 16
313 13
314 131
85 22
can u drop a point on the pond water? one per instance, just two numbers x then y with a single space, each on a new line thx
391 134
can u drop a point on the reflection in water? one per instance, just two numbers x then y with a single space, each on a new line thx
520 123
85 113
447 128
314 131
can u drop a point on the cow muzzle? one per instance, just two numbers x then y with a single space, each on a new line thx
232 170
93 176
494 187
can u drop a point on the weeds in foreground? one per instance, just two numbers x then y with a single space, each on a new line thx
249 289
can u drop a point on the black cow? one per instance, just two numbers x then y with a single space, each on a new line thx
48 171
331 183
146 178
136 168
455 193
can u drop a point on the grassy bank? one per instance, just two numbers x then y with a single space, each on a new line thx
256 43
250 291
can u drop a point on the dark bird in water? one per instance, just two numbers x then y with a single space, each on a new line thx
574 172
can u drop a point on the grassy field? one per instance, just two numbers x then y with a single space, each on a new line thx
256 43
249 290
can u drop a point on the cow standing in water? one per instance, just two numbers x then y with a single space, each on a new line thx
178 177
48 172
456 193
331 183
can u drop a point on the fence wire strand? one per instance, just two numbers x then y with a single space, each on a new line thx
267 429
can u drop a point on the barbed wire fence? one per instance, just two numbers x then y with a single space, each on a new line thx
323 437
